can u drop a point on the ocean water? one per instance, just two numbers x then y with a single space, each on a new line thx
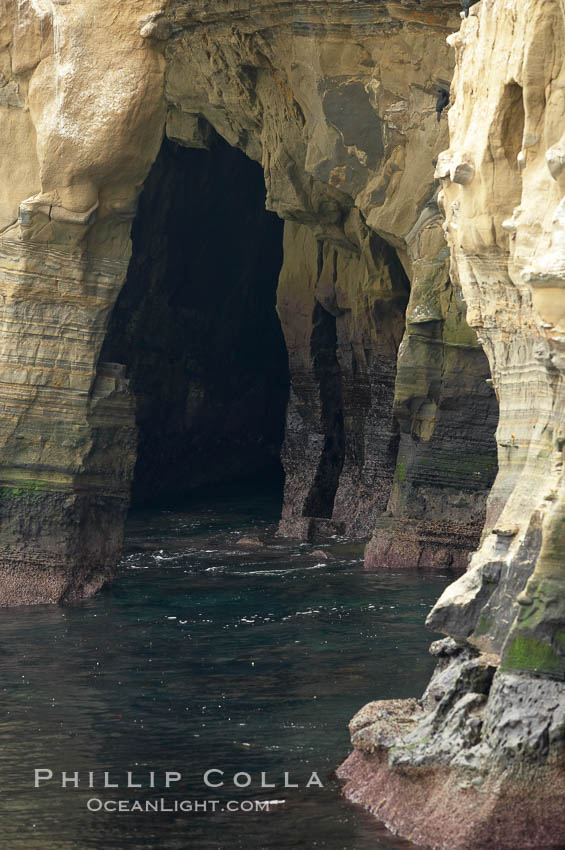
205 656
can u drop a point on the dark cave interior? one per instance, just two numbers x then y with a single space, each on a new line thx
197 328
323 349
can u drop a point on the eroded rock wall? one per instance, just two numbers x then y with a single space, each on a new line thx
487 740
76 147
343 315
504 229
390 416
446 414
337 101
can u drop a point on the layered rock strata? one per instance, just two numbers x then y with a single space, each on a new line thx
68 435
343 316
76 148
347 138
390 414
338 103
487 740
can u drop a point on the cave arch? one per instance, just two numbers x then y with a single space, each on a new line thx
196 327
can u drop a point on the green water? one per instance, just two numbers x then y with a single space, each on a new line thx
206 656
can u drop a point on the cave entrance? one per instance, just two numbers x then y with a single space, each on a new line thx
197 328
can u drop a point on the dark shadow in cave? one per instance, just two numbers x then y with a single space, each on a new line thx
323 349
197 328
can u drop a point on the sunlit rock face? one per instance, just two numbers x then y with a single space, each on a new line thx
504 229
337 102
82 110
388 294
487 740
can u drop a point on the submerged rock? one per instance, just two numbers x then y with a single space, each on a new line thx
249 543
319 553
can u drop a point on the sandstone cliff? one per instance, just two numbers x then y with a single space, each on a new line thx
392 411
487 739
337 103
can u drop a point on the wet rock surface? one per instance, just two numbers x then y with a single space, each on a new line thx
408 258
473 764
